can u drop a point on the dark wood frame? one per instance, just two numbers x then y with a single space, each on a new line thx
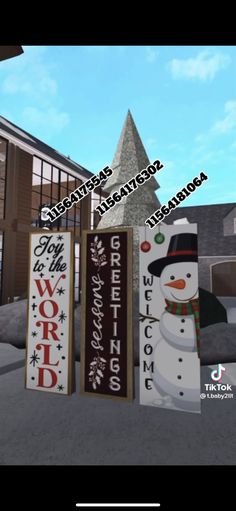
130 351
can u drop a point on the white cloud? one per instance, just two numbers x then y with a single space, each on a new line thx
200 138
150 143
51 121
48 85
203 67
227 124
32 75
29 74
14 84
151 54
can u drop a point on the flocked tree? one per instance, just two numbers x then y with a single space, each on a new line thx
130 158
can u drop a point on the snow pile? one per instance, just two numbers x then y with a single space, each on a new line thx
218 342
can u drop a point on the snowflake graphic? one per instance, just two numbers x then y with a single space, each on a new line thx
60 387
34 358
34 334
62 317
97 251
97 366
60 237
60 291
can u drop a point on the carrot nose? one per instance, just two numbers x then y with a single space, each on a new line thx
178 284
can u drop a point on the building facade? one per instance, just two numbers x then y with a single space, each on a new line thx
33 174
216 245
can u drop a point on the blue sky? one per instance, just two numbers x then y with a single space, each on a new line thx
183 101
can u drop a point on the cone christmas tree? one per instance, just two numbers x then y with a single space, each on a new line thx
130 158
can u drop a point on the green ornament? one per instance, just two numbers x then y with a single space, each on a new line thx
159 238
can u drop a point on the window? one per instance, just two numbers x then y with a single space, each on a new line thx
223 278
3 161
51 185
77 273
96 198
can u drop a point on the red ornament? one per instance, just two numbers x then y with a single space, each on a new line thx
145 246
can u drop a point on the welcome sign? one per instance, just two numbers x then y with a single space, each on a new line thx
169 318
106 336
49 360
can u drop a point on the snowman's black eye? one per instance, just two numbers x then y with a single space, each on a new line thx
188 275
172 277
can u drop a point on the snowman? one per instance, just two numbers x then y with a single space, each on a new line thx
176 354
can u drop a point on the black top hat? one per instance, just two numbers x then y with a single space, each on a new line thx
182 248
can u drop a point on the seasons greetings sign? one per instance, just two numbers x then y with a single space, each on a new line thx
106 337
50 313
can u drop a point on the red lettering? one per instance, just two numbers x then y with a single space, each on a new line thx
47 331
46 355
41 378
42 308
48 287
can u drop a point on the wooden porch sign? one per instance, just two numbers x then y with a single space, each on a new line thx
169 318
106 335
49 361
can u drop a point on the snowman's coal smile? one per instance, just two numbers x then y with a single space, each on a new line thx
185 300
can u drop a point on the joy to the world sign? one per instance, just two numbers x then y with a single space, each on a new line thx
50 313
106 337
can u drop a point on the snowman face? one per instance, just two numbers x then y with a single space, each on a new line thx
179 282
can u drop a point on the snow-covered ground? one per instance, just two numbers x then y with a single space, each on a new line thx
229 303
43 428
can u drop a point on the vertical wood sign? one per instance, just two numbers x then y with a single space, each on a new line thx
169 318
106 335
49 362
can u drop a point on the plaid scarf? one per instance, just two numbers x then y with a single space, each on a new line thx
183 309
